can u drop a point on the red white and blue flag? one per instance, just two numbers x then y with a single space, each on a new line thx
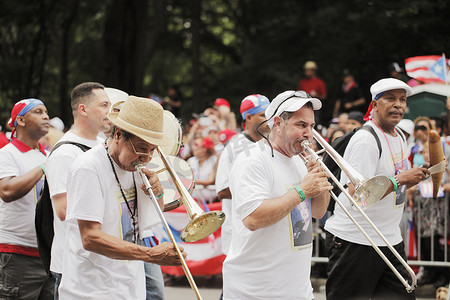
204 257
428 69
411 243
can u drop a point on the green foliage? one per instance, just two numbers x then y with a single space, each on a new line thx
211 49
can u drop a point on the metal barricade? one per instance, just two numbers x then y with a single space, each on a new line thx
319 235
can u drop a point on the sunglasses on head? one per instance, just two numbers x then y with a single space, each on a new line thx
296 94
420 127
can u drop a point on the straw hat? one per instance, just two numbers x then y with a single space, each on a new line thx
142 117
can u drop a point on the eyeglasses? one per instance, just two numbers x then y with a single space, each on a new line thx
296 94
145 154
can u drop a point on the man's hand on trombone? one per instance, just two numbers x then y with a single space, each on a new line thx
165 254
315 185
316 181
157 188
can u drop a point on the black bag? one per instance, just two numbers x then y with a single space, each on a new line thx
43 220
339 145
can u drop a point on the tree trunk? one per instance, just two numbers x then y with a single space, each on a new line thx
195 48
64 98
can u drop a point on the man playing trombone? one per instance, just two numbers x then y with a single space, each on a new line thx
270 183
102 259
355 270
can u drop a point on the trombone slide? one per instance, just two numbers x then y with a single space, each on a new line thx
409 288
152 196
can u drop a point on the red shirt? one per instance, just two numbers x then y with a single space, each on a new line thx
314 86
3 140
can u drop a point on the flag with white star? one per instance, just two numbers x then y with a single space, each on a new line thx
439 68
428 68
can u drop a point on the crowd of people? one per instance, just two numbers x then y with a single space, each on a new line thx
269 189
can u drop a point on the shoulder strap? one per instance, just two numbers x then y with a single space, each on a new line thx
81 146
400 133
372 131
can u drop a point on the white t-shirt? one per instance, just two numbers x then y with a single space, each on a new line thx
363 155
93 195
272 262
202 173
17 217
235 146
57 171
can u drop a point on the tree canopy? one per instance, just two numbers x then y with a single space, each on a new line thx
210 49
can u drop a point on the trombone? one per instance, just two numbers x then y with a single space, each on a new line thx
201 224
367 193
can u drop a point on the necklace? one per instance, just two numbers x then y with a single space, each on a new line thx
132 212
397 169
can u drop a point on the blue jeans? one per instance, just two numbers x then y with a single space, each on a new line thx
58 277
154 280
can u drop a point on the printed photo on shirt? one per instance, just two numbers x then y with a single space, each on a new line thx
38 189
301 225
126 222
400 194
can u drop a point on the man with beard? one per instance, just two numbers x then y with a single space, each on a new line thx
90 106
351 257
267 184
22 273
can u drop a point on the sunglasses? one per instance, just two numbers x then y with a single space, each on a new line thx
420 127
296 94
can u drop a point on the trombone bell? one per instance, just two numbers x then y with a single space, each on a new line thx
370 191
201 223
202 226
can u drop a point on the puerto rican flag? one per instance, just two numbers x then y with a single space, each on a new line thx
204 257
411 236
426 189
426 68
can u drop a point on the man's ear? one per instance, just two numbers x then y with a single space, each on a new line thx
374 104
117 134
277 121
82 109
20 120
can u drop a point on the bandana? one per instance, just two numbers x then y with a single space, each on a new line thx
21 108
253 104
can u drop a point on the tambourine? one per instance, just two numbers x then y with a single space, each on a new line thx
172 198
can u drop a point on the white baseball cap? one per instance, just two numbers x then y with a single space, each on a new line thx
388 84
407 126
289 101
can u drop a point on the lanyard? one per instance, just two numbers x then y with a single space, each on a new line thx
132 212
397 170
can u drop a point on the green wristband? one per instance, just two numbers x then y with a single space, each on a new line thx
160 196
300 193
394 182
43 168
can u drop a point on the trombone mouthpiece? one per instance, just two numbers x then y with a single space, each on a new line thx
140 167
305 144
